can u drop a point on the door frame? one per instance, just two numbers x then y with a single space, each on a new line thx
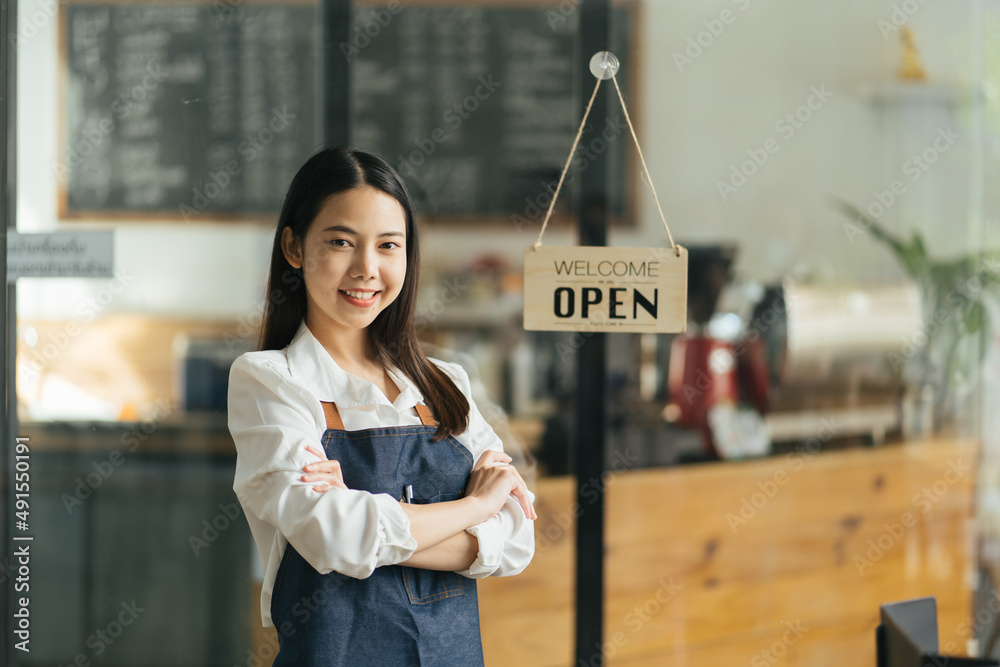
8 339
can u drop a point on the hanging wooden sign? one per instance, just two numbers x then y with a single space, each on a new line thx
588 288
594 288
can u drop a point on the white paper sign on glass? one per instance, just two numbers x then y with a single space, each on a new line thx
591 288
77 254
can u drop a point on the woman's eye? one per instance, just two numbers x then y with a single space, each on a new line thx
389 245
340 243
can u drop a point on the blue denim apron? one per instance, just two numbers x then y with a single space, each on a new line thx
399 616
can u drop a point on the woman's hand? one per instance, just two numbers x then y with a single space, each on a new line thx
326 472
493 480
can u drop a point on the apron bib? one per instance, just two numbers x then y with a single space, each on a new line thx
399 616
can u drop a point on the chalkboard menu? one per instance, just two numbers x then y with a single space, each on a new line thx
204 111
185 109
477 107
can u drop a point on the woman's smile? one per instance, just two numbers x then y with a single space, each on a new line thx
360 298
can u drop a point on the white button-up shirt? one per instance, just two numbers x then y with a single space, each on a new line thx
275 412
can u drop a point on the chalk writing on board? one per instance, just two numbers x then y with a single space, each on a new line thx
191 112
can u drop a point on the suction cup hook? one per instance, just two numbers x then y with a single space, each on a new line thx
604 65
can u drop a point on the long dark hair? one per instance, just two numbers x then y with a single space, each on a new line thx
392 334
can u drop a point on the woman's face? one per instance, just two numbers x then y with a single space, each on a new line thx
353 258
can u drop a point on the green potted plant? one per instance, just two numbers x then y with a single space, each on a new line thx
957 294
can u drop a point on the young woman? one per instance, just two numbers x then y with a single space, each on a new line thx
375 490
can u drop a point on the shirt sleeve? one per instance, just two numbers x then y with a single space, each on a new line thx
272 421
507 540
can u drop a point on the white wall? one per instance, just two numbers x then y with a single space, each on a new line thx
695 124
762 67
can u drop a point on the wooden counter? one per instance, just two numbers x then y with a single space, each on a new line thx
796 578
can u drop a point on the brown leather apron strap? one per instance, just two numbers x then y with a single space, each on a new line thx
335 423
424 412
333 420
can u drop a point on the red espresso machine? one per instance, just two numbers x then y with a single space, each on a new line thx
709 378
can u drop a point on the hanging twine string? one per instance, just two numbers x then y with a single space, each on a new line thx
572 150
569 158
649 180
